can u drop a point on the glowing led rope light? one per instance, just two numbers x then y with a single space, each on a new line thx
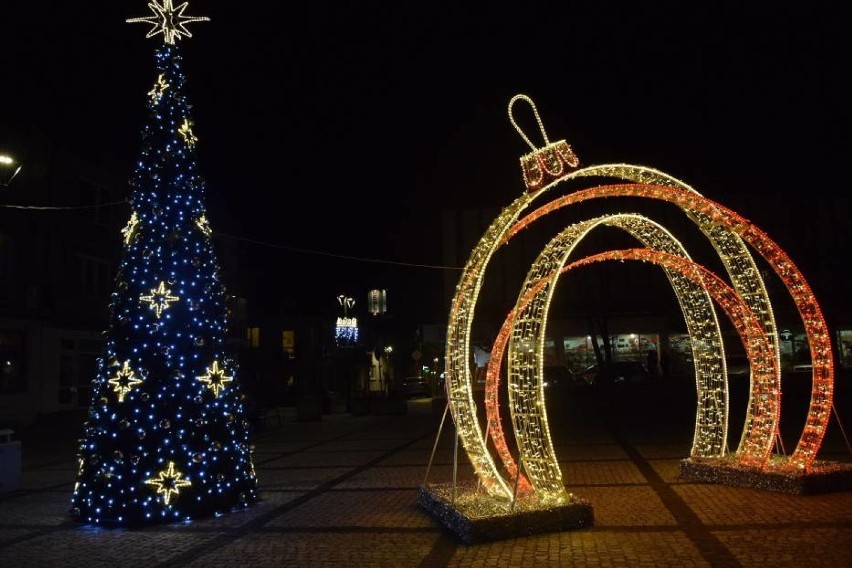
215 378
156 92
204 225
525 372
168 20
169 481
711 417
159 299
725 220
765 399
124 381
725 231
129 231
185 131
547 164
457 374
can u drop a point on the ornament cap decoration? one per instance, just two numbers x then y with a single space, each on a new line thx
547 164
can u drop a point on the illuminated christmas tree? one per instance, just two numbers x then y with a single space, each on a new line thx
167 436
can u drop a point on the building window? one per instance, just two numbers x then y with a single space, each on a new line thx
253 337
237 309
844 340
288 343
78 367
12 377
98 196
94 275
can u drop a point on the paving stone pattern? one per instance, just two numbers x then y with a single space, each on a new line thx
343 492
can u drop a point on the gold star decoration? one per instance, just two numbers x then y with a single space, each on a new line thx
215 378
185 130
124 381
159 299
129 231
168 482
158 89
204 225
168 20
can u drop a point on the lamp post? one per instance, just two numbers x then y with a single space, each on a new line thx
9 168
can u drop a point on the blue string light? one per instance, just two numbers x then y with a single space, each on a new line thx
167 436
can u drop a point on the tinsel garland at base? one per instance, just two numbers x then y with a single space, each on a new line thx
474 517
824 476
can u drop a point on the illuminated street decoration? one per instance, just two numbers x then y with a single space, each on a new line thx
531 421
547 164
729 234
204 226
156 92
377 302
177 403
159 299
129 231
124 381
215 378
185 131
346 330
168 20
169 482
712 414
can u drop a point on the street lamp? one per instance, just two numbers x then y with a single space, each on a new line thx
9 168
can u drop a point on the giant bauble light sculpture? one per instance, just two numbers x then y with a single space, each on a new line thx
535 476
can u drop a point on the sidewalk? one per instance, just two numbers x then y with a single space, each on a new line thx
343 492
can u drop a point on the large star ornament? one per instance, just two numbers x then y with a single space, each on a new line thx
168 20
215 378
159 299
124 381
168 482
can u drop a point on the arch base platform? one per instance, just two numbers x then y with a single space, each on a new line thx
474 517
823 477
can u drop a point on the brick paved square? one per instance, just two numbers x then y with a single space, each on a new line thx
600 473
297 549
297 478
341 509
633 506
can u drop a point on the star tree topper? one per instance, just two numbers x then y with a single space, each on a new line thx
168 20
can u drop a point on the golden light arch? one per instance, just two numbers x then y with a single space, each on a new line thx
710 437
728 233
530 416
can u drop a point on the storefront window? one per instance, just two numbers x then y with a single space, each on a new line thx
844 347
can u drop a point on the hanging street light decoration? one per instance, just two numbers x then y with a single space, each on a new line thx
346 330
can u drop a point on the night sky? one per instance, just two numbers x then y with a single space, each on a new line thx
347 127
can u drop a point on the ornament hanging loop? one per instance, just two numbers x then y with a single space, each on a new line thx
547 164
512 102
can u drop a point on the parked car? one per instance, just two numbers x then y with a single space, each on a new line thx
416 387
616 373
